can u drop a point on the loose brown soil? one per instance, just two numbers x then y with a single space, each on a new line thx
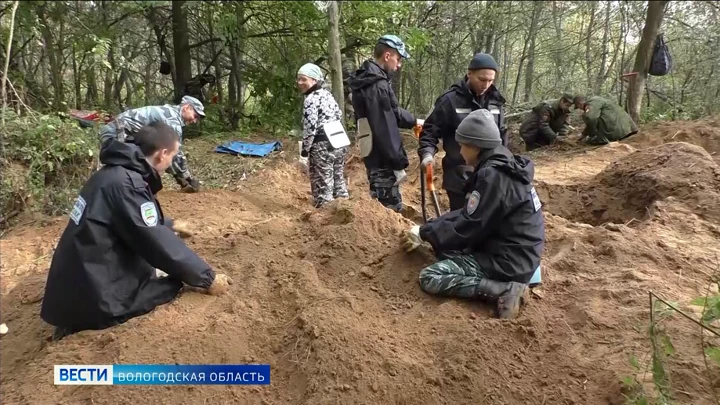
329 300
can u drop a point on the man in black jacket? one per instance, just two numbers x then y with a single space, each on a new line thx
475 91
546 122
490 248
103 271
378 120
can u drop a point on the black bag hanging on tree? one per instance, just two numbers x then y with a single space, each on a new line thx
661 62
165 67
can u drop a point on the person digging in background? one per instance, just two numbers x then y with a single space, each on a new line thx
546 122
326 164
379 118
490 248
103 271
129 122
473 92
605 121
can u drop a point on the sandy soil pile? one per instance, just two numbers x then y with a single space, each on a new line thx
626 189
331 302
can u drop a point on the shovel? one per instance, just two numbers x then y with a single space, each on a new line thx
426 182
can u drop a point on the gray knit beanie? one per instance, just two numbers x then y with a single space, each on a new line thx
482 61
479 129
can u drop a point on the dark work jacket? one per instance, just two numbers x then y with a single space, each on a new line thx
544 124
103 269
506 230
450 109
373 98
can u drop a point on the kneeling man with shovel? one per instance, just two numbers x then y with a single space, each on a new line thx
490 248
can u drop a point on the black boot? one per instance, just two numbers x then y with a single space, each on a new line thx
189 186
508 296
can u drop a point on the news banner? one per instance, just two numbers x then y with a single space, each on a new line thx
163 374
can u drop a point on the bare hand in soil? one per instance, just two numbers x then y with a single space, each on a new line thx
182 229
220 285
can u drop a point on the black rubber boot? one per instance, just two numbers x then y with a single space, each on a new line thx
508 296
189 186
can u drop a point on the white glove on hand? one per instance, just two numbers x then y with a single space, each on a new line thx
411 239
420 122
303 161
401 176
427 160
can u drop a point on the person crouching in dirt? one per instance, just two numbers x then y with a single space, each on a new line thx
189 111
103 271
325 163
547 121
605 121
490 248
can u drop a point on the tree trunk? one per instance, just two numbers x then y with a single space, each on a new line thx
335 57
600 79
642 59
530 71
53 58
557 54
588 49
76 79
91 95
108 87
216 64
181 47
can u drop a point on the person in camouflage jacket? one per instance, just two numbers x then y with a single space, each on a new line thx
189 111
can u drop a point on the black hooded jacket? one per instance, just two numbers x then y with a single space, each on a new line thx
373 98
449 111
502 223
103 269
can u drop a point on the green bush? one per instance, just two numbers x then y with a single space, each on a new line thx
51 157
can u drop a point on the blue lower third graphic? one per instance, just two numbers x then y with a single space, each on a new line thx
163 374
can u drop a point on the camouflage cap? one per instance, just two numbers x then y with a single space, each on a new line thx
195 104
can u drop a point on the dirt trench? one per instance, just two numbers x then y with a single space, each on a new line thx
328 299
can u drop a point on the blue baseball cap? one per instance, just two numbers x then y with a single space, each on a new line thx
395 43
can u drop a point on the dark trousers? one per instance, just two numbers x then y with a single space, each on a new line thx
381 182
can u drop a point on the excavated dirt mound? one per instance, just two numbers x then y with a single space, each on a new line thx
329 300
626 189
704 133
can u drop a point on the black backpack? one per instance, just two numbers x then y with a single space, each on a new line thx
661 62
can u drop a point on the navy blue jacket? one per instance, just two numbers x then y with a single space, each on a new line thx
103 269
502 223
450 109
373 98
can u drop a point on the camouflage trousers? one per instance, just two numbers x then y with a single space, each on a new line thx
327 173
179 168
455 275
381 182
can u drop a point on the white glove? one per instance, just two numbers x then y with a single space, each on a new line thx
411 239
401 176
420 122
303 160
427 160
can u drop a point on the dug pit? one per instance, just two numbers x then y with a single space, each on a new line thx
625 191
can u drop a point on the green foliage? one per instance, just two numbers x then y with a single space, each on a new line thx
632 389
58 156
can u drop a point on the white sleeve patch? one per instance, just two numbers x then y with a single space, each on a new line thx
148 212
535 199
78 210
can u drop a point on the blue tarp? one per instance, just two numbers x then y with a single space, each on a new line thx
249 149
